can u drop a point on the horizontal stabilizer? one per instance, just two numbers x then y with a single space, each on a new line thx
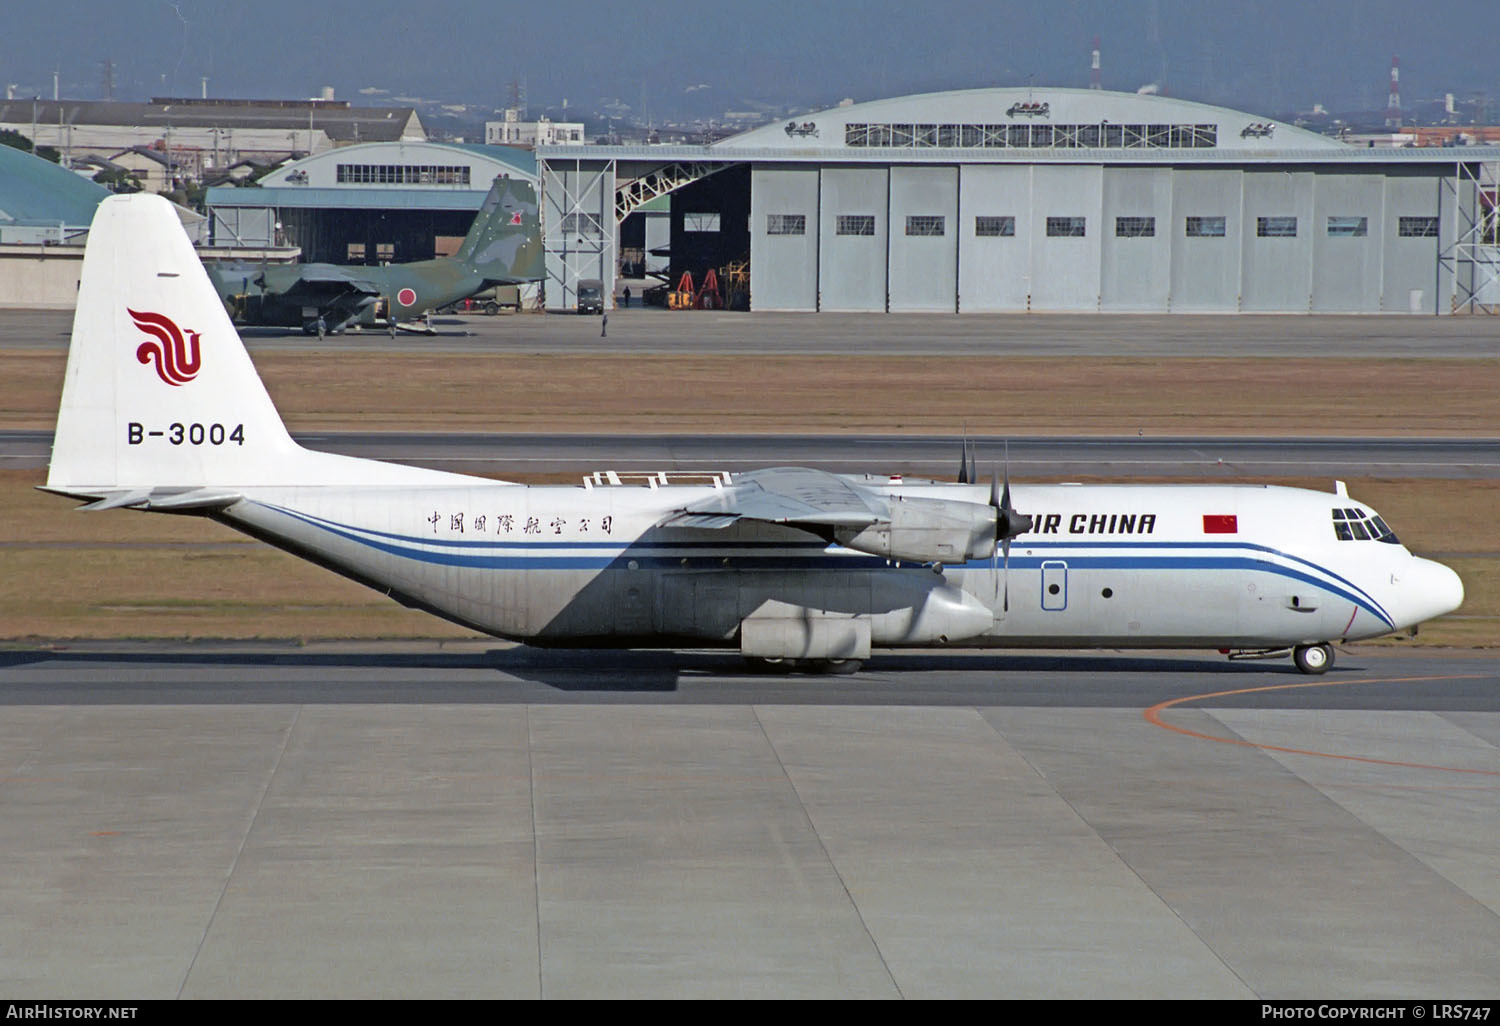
163 500
198 499
118 500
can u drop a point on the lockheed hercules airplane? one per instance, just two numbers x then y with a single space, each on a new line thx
163 411
503 247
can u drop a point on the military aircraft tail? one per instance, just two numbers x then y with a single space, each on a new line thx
161 407
504 245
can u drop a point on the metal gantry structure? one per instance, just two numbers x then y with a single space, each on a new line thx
583 204
580 231
1472 255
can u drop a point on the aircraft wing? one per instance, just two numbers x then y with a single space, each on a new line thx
328 279
794 496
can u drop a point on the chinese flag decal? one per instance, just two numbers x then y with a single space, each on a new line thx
1220 523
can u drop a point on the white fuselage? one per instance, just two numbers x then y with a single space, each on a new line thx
1104 565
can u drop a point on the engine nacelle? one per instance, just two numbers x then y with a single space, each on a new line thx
927 531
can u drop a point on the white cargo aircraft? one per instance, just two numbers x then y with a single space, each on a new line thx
162 410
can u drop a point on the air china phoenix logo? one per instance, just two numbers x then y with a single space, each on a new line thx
178 359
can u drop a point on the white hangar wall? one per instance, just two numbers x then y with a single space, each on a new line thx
1014 237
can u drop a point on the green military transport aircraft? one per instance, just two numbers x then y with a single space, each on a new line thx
503 247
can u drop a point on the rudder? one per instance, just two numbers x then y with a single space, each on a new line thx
504 245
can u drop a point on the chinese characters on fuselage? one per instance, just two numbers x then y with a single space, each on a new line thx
507 523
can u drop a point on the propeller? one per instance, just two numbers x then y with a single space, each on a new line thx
1008 524
968 473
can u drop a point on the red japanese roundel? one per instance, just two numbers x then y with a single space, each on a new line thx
406 297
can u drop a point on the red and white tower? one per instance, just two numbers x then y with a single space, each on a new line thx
1094 67
1393 105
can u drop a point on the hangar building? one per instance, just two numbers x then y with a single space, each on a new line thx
1045 200
374 203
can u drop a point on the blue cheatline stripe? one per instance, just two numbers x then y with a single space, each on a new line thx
1214 545
829 557
1203 563
1367 600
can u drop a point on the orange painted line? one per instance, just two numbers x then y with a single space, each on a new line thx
1153 716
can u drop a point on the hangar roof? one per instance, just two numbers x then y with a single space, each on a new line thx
486 162
394 176
1032 118
37 191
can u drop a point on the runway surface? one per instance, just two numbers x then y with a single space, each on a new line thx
482 820
1229 458
875 334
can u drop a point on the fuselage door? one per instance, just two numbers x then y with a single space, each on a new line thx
634 599
1054 585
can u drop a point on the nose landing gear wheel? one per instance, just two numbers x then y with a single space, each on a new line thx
1313 659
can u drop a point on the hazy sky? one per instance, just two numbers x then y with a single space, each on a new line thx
1260 55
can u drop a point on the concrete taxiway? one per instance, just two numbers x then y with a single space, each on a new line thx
483 820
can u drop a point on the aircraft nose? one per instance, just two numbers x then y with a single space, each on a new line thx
1429 589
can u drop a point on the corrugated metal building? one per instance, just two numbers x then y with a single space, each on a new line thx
1058 199
207 133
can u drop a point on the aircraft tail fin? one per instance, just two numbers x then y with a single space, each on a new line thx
159 390
504 245
161 406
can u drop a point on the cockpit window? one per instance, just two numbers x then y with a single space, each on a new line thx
1386 534
1357 525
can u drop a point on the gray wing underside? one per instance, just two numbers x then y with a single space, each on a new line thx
794 496
323 279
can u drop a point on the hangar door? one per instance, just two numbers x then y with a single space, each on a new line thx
924 238
852 217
